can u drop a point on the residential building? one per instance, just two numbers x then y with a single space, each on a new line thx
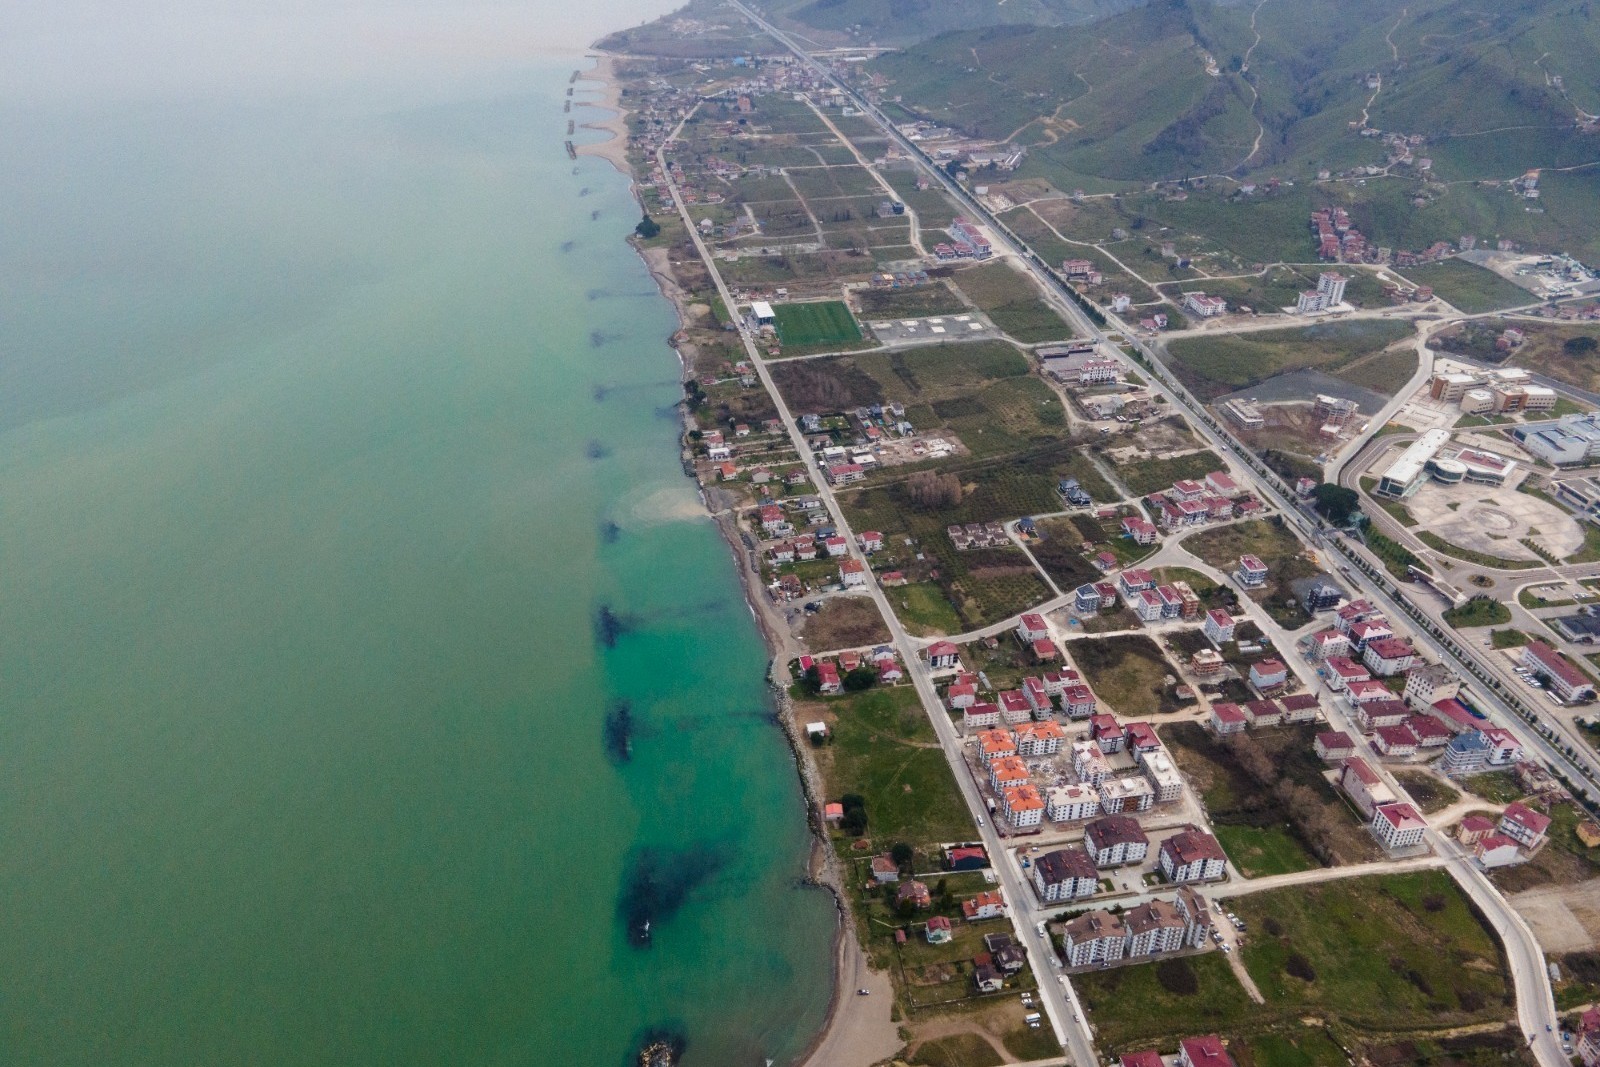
1524 825
1094 937
1089 763
1207 662
1495 850
1072 803
1389 655
1227 718
1008 772
1474 828
1192 855
1268 674
1261 713
1301 707
981 716
1141 531
1251 572
1105 731
1589 1037
1503 747
1395 741
1430 732
1113 840
1086 599
1363 786
1134 580
1065 874
1326 643
1032 628
986 905
1363 633
1381 714
1197 916
1219 626
1222 483
943 654
939 930
1204 306
1154 927
1397 826
996 744
961 695
1334 745
1429 683
1164 778
1333 411
1039 738
1467 753
1078 701
1014 707
884 869
1142 740
1147 605
1126 794
1565 680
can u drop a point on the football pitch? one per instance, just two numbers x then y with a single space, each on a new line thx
821 323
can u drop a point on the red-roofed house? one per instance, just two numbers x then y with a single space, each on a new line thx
1222 483
986 905
1268 674
1263 712
1204 1051
1078 701
828 677
1368 691
1495 850
1524 825
1227 718
1379 714
1251 572
1192 855
1589 1037
1389 655
1032 627
1430 732
1045 651
869 540
1327 643
1341 671
852 572
1395 741
1219 626
1474 828
1133 580
1106 732
1147 1058
939 930
1362 784
1334 745
1368 630
981 716
1188 489
1142 531
1014 707
943 654
961 696
1301 707
1398 825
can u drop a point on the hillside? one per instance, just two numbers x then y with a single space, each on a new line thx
1184 87
899 22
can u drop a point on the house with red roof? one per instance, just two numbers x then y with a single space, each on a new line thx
1045 651
869 540
1379 714
1495 850
1268 674
1398 825
1301 707
986 905
828 676
1204 1051
1334 745
1395 741
939 930
981 716
1192 855
1340 672
1388 656
1222 483
1430 732
1329 642
1031 627
1219 626
1134 580
1474 828
942 654
1142 531
1524 825
1227 718
1251 572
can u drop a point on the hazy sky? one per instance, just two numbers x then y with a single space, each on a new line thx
64 49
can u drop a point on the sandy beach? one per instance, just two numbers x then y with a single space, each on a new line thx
614 149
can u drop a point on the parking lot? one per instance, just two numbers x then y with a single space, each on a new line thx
965 327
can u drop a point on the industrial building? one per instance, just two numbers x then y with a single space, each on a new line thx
1565 442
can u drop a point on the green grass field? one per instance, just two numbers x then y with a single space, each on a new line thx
1217 365
1471 288
1388 952
1259 851
1012 300
885 749
1152 475
824 322
1126 673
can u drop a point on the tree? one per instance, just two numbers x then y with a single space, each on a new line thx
1580 345
811 681
647 228
901 853
1336 503
859 679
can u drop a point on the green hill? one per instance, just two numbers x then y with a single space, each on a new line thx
906 21
1131 98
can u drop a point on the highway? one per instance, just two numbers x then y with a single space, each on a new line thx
1535 1003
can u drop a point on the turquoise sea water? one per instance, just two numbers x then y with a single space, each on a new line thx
312 413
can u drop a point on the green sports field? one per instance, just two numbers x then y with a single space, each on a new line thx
820 323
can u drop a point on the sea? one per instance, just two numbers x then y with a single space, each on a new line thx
340 513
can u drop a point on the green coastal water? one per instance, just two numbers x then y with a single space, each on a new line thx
312 413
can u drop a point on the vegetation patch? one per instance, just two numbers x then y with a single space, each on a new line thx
1146 476
1471 288
1481 610
1012 301
1394 952
1431 793
882 749
1128 672
1479 559
845 622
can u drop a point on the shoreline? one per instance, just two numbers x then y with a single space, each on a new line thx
847 1031
613 149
